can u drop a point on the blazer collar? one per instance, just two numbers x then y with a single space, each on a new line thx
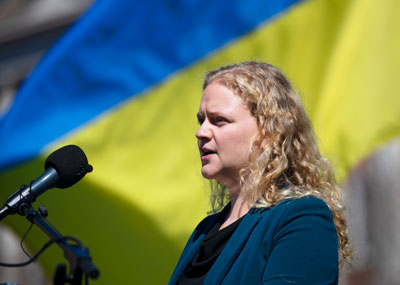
193 245
233 247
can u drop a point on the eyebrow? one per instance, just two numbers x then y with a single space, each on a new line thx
212 113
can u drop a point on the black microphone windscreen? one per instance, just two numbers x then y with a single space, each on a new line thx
71 164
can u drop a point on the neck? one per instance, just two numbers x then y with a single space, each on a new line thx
239 208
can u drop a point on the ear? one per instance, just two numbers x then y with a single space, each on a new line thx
260 142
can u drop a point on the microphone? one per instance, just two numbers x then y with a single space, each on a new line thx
63 168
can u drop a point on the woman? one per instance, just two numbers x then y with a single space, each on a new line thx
284 221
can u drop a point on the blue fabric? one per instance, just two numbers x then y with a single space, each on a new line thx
118 49
294 242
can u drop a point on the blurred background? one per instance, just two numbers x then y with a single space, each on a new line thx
122 79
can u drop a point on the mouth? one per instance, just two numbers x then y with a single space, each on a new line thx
206 153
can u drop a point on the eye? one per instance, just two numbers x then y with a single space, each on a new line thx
200 120
220 121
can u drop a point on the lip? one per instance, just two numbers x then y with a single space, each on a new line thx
206 156
206 153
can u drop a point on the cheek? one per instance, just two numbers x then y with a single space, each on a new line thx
242 141
236 143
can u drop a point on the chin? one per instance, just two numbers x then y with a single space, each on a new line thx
208 173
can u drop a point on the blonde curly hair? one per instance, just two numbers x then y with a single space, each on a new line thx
288 164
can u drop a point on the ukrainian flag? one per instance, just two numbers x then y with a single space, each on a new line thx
124 83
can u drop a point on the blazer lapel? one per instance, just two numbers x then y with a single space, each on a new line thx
192 248
187 255
232 248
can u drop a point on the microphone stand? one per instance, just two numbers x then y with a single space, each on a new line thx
77 255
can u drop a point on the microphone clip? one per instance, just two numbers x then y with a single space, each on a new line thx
21 200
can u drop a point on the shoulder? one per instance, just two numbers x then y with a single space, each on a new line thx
303 202
308 210
307 215
308 205
299 239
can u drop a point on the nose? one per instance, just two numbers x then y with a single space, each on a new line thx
204 131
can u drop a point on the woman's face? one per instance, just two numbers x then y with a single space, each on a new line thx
226 132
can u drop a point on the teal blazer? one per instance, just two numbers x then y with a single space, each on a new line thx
294 242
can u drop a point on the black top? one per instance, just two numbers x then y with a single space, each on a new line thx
210 248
